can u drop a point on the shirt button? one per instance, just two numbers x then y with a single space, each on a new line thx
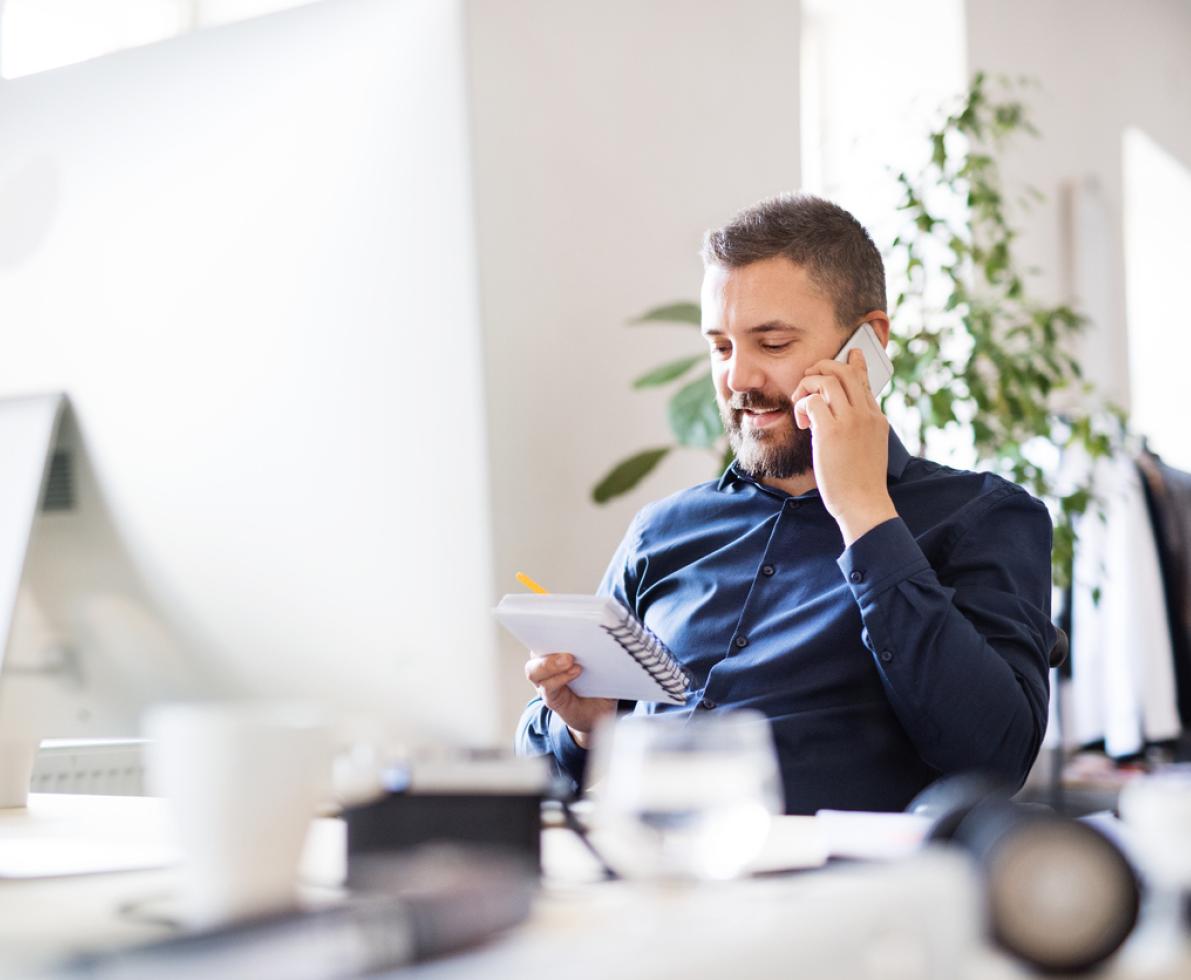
886 656
767 569
856 577
741 642
793 504
707 704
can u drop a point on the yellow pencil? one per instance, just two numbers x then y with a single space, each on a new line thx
530 583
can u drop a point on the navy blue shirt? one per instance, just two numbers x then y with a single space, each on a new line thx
920 650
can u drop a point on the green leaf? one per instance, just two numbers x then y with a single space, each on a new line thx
938 150
1075 502
668 372
694 417
672 313
941 406
627 474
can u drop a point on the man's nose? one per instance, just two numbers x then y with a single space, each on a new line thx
744 374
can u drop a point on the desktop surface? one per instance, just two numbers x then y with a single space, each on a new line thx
919 916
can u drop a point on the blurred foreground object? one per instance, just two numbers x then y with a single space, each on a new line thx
485 799
243 781
1060 894
689 798
1157 810
435 902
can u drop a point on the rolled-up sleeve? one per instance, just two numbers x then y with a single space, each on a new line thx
962 649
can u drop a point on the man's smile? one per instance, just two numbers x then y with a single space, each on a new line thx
752 413
762 419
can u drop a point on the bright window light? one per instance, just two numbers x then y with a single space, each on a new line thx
39 35
873 76
1157 256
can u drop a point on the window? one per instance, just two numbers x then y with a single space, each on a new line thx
1157 256
37 35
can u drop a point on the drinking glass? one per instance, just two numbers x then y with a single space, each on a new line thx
688 798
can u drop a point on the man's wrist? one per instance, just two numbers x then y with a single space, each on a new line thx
856 522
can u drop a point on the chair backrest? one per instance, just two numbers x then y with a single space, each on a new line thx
1058 652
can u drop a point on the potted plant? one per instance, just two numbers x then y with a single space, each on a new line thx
979 364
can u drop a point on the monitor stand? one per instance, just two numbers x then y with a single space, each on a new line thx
17 757
85 643
28 434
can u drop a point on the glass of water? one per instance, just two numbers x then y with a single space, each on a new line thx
688 798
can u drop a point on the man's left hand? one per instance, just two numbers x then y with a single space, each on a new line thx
850 443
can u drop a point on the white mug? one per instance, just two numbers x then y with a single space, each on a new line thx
243 781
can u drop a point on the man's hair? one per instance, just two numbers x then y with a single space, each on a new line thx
833 247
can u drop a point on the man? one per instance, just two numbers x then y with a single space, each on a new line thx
889 616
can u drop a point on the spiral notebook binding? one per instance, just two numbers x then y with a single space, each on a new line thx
639 642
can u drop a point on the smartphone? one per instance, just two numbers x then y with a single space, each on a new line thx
880 368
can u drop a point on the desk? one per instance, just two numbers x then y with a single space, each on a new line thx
43 919
908 919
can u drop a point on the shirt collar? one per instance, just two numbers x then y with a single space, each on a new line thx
899 456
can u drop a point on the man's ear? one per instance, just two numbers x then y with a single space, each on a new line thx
879 321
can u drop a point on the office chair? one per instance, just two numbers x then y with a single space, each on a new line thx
1058 652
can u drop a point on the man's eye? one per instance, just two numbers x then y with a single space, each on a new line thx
722 349
776 347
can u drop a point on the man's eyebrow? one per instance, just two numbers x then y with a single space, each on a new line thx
771 326
775 326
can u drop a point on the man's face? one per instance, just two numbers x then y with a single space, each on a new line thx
767 324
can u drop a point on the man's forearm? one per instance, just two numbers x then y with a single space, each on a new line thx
965 673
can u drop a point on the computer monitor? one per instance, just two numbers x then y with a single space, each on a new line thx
246 257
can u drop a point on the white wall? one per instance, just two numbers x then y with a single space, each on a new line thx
607 137
1104 66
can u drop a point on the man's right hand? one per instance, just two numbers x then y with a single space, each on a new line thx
552 675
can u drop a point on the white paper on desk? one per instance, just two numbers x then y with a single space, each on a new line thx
65 834
876 836
49 857
793 843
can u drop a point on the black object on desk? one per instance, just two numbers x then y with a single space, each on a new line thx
1060 895
477 799
397 822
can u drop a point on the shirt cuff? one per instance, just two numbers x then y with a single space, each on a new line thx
882 557
570 756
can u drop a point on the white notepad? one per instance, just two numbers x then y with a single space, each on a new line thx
619 656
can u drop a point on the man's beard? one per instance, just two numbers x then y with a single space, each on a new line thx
777 452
